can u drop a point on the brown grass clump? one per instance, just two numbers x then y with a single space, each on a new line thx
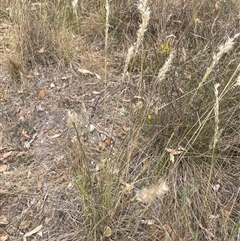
45 32
14 68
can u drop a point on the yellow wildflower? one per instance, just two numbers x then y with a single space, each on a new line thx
149 116
120 22
197 20
165 48
1 95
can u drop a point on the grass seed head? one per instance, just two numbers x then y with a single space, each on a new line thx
165 68
72 118
148 195
225 48
238 81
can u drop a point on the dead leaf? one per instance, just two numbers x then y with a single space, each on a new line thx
127 188
101 146
148 222
40 185
35 72
41 94
4 25
4 238
42 50
5 155
101 165
25 134
3 168
40 233
27 144
126 128
24 224
107 231
108 141
174 152
28 234
98 76
216 187
4 221
85 71
137 103
125 197
126 191
91 128
138 106
103 136
3 191
167 226
65 77
138 97
21 153
29 174
96 92
226 212
30 76
47 220
126 100
56 136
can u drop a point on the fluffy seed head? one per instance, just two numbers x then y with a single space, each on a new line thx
165 68
148 195
225 48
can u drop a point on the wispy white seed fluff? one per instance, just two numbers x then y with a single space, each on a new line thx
72 118
149 194
225 48
74 4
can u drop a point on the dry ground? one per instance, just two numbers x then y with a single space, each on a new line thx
38 190
37 181
37 185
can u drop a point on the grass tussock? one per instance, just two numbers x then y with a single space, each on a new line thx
46 32
173 173
14 68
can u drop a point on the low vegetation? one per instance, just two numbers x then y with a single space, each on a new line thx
160 159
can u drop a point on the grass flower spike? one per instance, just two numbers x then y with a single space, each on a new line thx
145 14
225 48
165 68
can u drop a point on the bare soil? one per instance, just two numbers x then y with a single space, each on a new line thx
37 181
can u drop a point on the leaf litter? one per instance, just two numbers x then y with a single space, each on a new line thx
38 169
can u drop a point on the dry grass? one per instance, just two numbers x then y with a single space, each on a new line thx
166 163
